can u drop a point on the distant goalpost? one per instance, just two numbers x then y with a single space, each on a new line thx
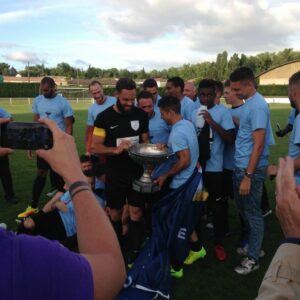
73 94
76 94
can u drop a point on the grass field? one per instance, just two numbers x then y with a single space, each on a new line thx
207 279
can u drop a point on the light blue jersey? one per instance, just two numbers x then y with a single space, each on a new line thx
183 136
255 115
229 150
221 115
187 106
158 129
197 103
56 109
294 144
96 108
4 113
157 100
292 116
68 218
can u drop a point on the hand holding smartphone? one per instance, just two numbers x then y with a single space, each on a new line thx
26 135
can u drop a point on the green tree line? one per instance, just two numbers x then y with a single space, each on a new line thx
218 69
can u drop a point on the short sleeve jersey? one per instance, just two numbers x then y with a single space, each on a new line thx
294 144
68 217
221 115
56 109
183 137
292 116
158 129
33 267
187 106
96 109
4 113
228 157
117 128
255 115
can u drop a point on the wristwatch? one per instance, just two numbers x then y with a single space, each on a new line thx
247 174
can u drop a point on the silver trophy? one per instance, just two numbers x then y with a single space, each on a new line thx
148 155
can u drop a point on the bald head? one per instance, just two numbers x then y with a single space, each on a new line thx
190 90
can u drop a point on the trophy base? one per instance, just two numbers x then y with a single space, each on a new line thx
145 187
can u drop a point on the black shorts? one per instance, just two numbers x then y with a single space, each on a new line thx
42 164
117 194
213 182
227 183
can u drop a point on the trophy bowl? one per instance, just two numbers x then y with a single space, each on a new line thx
148 155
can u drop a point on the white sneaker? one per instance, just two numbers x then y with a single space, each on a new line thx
243 251
247 266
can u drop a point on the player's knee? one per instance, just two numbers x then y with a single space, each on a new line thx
29 224
135 213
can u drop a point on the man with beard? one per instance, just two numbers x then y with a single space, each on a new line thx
55 107
102 102
116 128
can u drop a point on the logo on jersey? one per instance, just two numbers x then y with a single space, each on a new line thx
135 125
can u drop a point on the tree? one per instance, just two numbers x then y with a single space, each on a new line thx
4 68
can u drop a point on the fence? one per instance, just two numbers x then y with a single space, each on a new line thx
22 101
16 101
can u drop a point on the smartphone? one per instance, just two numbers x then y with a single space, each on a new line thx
278 126
28 136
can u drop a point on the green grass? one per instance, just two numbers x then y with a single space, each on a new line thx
208 279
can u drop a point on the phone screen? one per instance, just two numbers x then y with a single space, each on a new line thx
22 135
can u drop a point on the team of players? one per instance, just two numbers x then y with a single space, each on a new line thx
231 147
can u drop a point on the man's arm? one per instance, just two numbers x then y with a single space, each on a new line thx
258 145
88 138
226 135
96 238
69 125
99 147
281 280
182 163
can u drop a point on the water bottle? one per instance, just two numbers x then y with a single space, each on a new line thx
200 120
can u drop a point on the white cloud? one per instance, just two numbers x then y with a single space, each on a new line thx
8 45
24 57
238 25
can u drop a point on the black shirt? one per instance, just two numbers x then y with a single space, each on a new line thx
117 126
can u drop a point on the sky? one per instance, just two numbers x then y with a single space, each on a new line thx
136 34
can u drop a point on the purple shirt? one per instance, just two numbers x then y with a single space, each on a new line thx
36 268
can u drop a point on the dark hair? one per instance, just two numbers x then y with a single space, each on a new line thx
84 158
125 84
94 82
295 78
242 74
219 86
144 95
207 83
49 81
150 83
170 103
226 83
177 82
